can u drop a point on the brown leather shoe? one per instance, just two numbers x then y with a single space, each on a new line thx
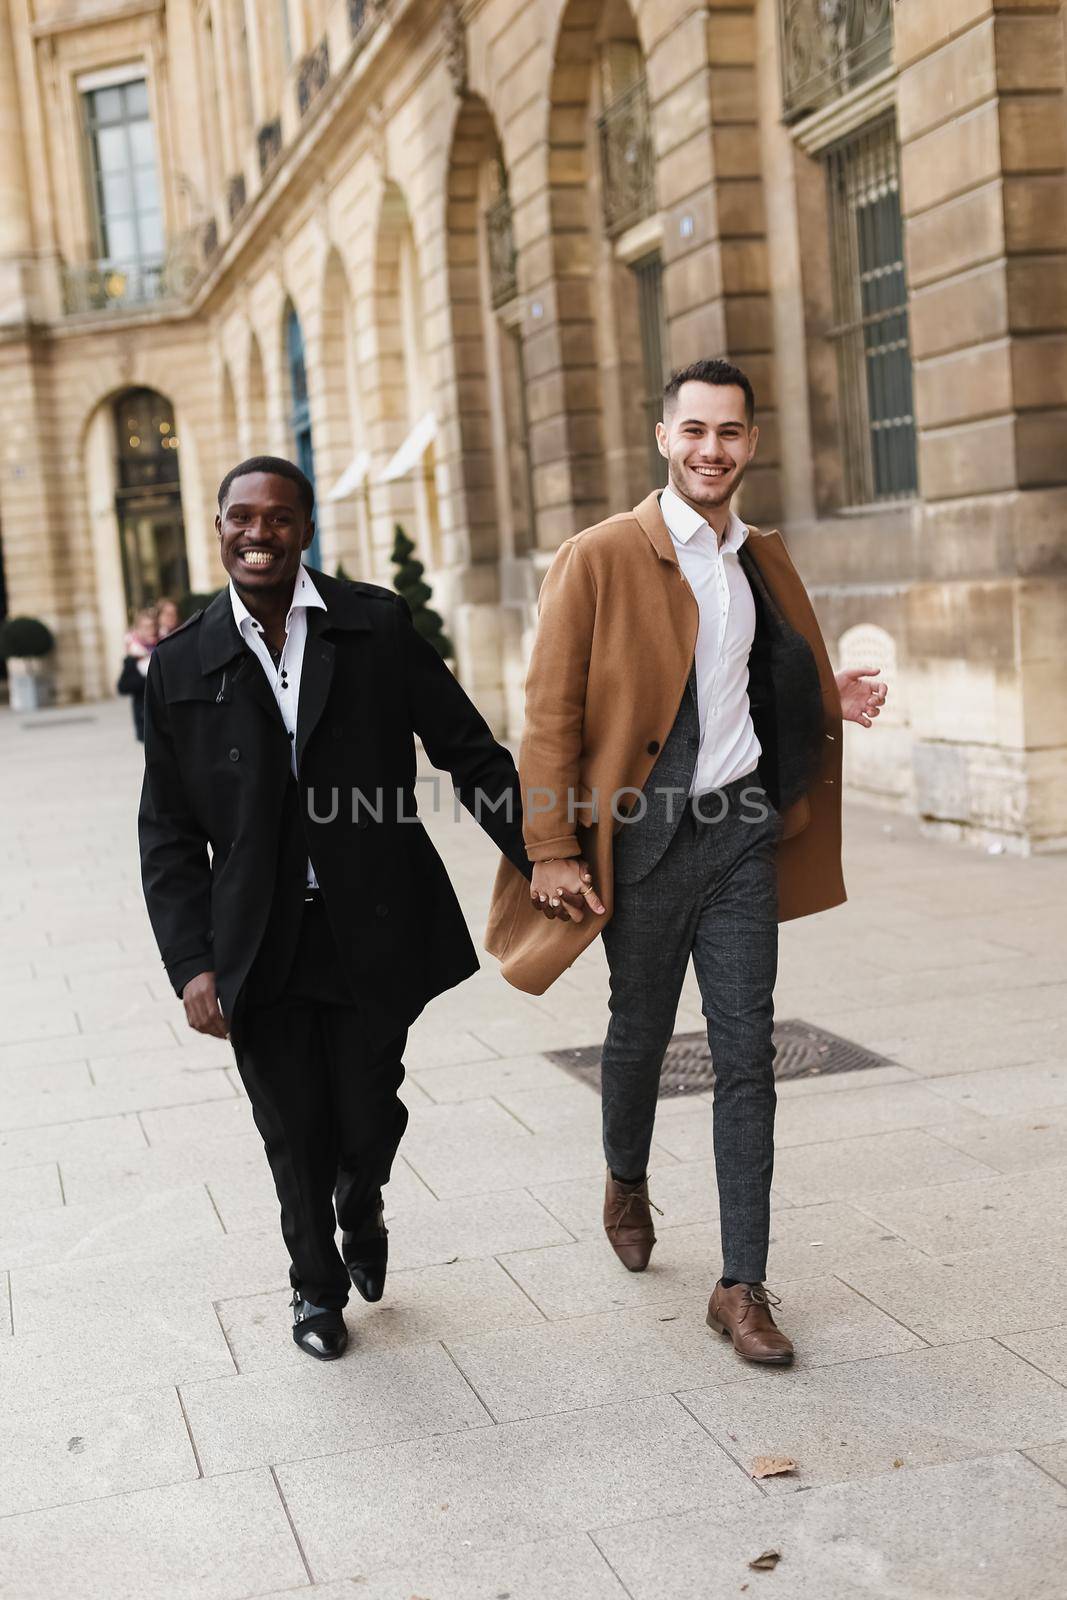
628 1222
744 1314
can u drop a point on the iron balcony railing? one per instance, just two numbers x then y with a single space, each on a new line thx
503 261
312 75
269 144
357 17
830 46
236 196
627 160
116 286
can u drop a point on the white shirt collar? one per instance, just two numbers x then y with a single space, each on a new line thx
683 522
305 598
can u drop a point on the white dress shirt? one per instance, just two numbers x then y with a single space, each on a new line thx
284 678
729 748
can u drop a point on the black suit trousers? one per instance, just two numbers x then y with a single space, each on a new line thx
325 1102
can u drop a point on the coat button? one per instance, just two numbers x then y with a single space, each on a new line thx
381 911
653 747
235 754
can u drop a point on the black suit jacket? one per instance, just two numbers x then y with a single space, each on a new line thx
218 786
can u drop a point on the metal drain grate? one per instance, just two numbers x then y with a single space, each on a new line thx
804 1051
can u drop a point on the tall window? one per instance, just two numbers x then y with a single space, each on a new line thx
649 274
129 214
300 413
871 316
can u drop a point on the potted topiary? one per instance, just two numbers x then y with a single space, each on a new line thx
25 643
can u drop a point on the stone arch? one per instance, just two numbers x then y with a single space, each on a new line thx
590 436
254 430
402 389
229 442
340 434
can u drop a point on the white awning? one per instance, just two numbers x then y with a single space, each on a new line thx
352 478
411 452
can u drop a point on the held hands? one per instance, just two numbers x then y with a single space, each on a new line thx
563 889
860 702
202 1009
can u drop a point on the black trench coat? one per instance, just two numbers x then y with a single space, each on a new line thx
217 771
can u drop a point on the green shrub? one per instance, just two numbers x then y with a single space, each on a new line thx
23 637
408 582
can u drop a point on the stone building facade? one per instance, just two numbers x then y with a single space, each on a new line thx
443 251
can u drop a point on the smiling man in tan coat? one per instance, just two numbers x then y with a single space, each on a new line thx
681 769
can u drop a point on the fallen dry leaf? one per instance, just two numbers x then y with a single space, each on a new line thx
898 1462
767 1561
772 1466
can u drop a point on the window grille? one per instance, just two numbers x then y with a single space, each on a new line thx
870 296
649 274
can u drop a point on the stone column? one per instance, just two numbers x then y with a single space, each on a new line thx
16 228
705 99
981 106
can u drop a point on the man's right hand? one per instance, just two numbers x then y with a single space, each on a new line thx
202 1009
564 889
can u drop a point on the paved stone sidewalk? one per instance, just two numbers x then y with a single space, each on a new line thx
520 1417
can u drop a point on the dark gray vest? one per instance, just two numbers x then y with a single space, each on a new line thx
641 841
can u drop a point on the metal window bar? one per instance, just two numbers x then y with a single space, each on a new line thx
870 334
649 274
503 259
627 160
830 46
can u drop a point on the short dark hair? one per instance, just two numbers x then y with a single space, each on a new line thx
278 467
721 374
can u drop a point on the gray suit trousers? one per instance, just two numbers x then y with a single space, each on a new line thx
712 895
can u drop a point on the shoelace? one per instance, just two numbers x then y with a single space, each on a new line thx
758 1295
634 1194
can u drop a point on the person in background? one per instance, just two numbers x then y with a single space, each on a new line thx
168 616
140 641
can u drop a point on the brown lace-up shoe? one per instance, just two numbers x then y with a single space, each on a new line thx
744 1313
628 1222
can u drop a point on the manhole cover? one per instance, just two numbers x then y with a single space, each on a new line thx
804 1051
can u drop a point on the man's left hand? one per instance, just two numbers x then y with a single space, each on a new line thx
861 701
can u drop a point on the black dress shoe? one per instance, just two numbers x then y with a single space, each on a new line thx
366 1254
320 1332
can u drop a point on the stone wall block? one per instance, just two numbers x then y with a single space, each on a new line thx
1041 447
1035 214
1037 293
971 458
951 159
1029 52
959 234
965 385
1033 134
957 312
955 79
1039 371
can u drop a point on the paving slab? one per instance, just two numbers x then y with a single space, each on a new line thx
1007 1091
507 1485
478 1080
842 1168
987 1292
986 1529
856 1420
108 1226
101 1137
296 1412
34 1188
1045 1348
215 1539
978 1214
429 1303
614 1356
1012 1143
567 1567
47 1106
83 1449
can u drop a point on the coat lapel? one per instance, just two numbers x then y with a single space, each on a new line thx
316 676
222 648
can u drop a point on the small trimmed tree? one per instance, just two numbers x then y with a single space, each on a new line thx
409 583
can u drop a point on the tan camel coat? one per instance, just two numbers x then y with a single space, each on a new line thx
615 644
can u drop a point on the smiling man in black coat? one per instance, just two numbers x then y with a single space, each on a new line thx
299 906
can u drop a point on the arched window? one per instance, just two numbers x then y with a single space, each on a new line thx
148 501
300 412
